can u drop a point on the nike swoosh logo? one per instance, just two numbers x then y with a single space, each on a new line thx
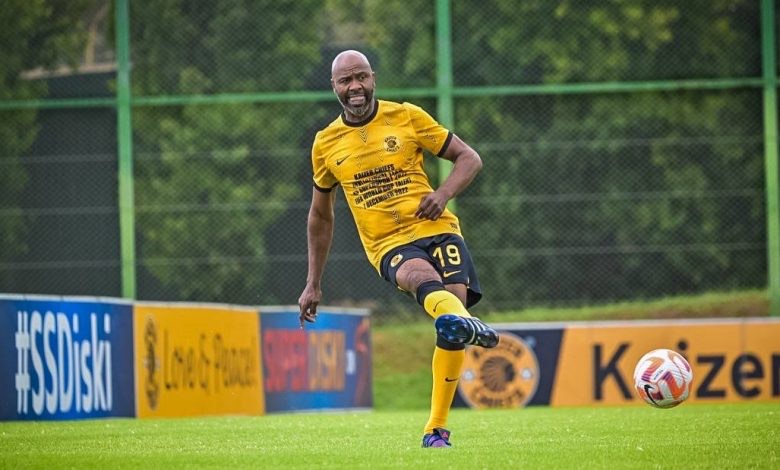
447 274
447 379
341 160
436 305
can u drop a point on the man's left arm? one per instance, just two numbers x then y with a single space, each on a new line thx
466 164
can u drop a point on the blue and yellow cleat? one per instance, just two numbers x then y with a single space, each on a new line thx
466 330
440 437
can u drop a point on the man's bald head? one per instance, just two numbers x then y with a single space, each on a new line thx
348 59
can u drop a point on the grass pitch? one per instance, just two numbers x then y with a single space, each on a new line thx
690 436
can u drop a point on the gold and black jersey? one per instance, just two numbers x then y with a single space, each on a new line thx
379 165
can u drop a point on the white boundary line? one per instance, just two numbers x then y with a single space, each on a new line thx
62 298
213 305
326 309
634 323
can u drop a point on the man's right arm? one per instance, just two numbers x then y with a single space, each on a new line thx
319 235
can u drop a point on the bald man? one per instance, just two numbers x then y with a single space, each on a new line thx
374 151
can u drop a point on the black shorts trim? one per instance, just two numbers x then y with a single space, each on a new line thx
463 272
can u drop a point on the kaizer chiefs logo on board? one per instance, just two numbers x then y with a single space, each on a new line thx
391 144
151 384
503 377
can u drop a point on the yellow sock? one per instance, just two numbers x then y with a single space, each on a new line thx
442 302
446 372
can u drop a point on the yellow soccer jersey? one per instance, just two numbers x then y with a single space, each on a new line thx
379 165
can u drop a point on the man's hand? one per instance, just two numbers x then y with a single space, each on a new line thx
431 206
308 301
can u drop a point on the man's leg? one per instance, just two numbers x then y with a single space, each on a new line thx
417 275
454 327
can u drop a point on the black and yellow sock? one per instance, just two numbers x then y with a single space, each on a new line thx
437 301
447 364
447 357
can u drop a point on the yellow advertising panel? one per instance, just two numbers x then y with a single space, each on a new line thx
196 360
732 360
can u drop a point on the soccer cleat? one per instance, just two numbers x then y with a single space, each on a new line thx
440 437
466 330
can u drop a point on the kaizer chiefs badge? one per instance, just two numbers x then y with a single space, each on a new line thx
151 384
391 144
503 377
396 259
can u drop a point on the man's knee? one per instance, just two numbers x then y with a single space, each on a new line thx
415 272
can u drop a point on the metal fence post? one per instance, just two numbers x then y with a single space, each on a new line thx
125 143
444 82
769 66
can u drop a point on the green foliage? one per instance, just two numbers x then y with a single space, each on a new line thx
603 196
397 36
583 198
503 42
218 170
33 34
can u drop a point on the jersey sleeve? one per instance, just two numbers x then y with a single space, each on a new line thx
323 179
430 134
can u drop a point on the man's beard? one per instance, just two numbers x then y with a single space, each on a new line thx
361 110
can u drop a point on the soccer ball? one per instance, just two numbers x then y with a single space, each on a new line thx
663 378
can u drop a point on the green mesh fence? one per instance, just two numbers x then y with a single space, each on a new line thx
657 204
623 145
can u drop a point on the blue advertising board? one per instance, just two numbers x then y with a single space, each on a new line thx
65 358
327 365
519 371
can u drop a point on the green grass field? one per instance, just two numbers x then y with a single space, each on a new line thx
690 436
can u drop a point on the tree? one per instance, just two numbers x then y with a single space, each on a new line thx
612 196
212 178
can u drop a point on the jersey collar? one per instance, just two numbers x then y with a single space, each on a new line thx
364 121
